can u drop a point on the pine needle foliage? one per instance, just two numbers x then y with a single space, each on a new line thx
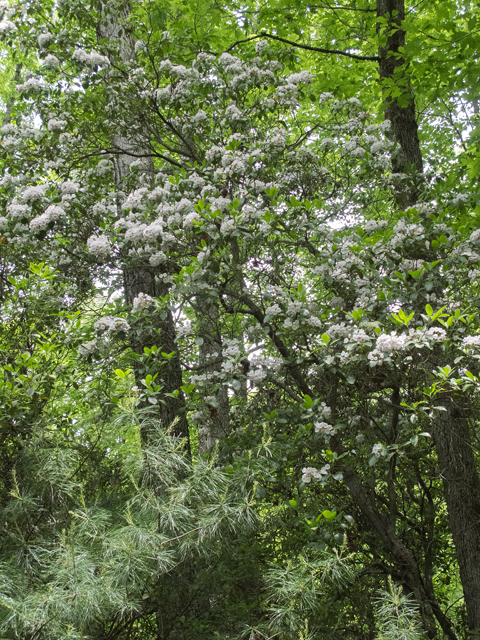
397 614
79 562
301 592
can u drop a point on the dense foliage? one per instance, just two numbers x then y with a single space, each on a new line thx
240 334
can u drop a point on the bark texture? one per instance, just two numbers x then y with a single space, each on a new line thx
210 360
141 279
458 470
404 124
171 411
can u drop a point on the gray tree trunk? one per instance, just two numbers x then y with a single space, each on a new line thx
142 279
217 424
458 470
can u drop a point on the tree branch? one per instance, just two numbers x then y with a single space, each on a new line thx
303 46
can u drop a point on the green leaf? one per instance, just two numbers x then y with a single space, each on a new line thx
329 515
308 401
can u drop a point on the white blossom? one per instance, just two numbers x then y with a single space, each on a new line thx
300 78
43 39
91 59
109 323
324 428
393 342
141 302
69 187
33 84
15 210
99 246
436 334
471 342
257 375
228 225
54 124
31 194
273 310
157 258
378 450
51 61
87 348
309 473
6 27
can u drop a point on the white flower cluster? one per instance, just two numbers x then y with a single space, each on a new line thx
99 246
386 345
475 236
436 334
54 124
32 84
91 59
309 473
257 375
273 310
393 342
360 337
300 78
378 450
6 27
31 194
325 411
231 348
324 428
141 302
40 223
157 258
16 210
43 39
68 187
406 232
109 323
338 330
471 342
51 61
87 348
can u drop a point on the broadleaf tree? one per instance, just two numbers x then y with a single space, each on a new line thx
280 280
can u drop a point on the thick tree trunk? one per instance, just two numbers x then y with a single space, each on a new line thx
171 411
458 471
210 359
141 279
402 116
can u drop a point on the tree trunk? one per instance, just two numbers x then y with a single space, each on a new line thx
404 127
171 411
405 563
459 474
142 279
217 425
